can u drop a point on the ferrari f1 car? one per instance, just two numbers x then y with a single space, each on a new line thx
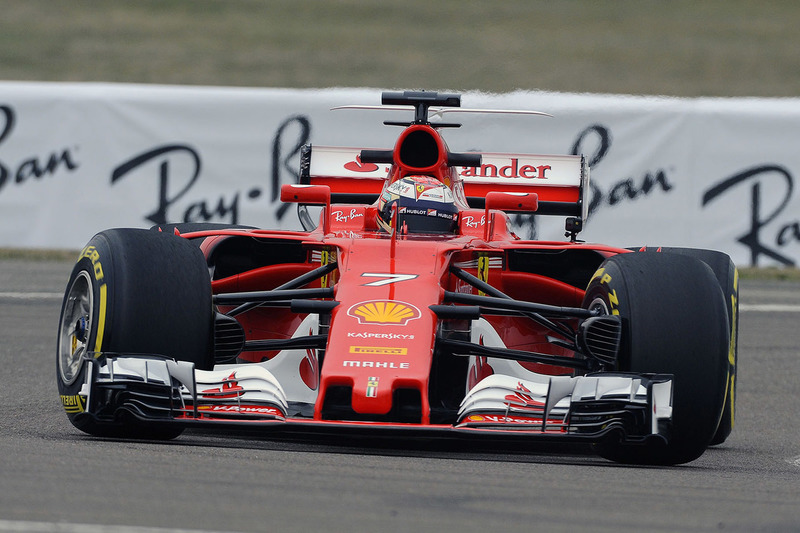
408 309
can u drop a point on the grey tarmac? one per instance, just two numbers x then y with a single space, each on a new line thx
53 478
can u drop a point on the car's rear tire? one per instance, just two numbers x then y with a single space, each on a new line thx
728 278
674 322
132 291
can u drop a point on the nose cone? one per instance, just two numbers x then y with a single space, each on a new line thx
374 349
382 333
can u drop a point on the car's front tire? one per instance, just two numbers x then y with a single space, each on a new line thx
674 322
132 291
728 278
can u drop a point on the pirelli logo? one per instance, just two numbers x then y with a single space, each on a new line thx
73 404
378 350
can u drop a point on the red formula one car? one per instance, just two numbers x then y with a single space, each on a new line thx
409 310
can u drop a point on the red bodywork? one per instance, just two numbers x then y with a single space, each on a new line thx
382 334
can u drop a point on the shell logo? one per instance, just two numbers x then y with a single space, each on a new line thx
384 312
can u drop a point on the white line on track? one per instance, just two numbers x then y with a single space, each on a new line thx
769 308
794 461
32 295
67 527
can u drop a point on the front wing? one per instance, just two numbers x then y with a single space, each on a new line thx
156 390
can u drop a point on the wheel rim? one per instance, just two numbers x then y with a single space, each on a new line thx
598 304
75 327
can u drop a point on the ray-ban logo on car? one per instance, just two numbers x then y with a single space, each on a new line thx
384 312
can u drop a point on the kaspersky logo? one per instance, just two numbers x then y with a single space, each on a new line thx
384 312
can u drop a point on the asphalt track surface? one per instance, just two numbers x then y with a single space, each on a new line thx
54 478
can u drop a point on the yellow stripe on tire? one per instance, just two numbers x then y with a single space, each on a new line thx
101 319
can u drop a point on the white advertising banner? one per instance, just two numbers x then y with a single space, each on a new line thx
79 158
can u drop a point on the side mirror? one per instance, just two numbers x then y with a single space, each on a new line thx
310 194
305 194
512 201
520 202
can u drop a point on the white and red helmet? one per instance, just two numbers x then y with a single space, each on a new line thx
424 205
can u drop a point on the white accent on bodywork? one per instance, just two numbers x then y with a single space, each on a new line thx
257 385
494 389
481 328
386 279
276 381
559 392
662 403
250 383
149 370
285 366
552 396
183 372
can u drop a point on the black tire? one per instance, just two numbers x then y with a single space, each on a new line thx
674 322
132 291
728 278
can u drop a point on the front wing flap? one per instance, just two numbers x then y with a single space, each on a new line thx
638 407
153 389
157 389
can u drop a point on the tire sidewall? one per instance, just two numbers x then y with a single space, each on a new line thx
89 263
728 278
151 295
674 322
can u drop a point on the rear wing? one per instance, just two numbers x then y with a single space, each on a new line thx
560 181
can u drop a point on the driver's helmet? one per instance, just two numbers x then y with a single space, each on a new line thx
424 205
